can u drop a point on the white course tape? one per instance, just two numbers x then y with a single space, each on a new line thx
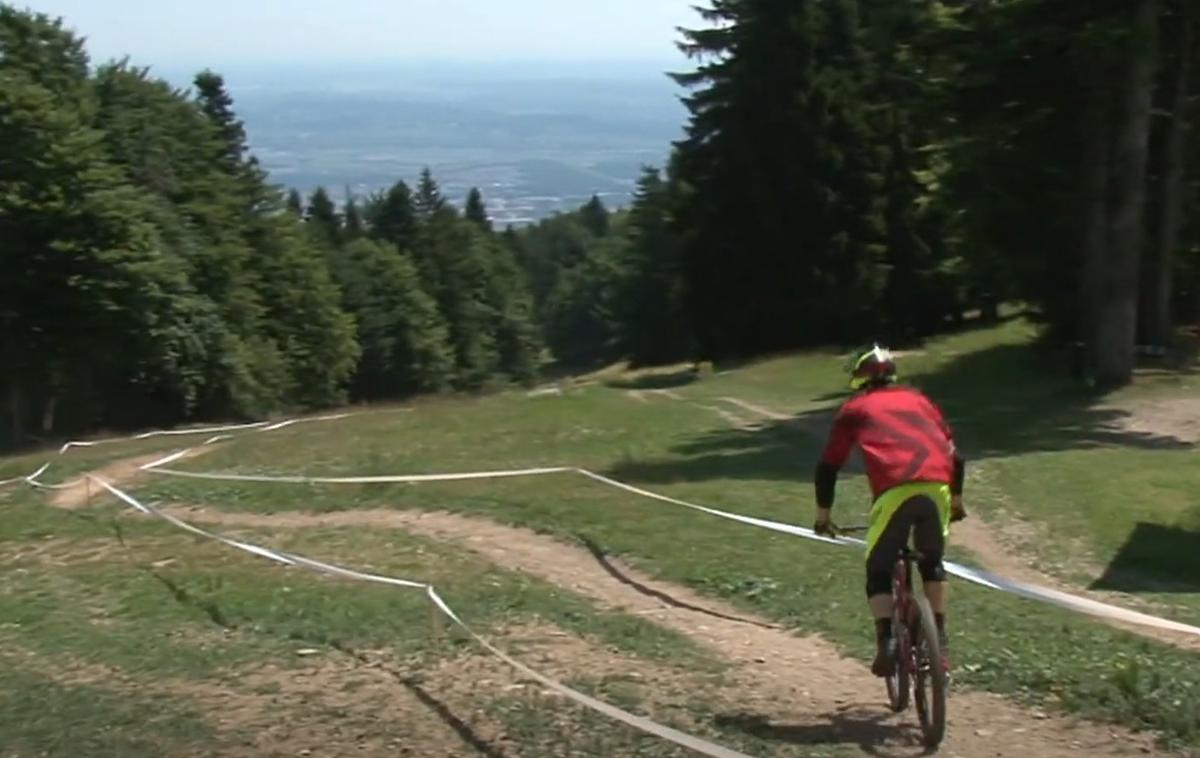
1067 600
74 443
34 476
265 426
978 576
60 486
165 460
644 724
399 479
280 425
774 526
200 430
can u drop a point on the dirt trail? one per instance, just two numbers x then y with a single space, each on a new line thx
739 422
80 492
733 419
668 393
758 409
797 688
1169 418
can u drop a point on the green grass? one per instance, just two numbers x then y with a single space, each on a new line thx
39 716
1042 446
178 608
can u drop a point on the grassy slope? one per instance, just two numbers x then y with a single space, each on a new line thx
1034 438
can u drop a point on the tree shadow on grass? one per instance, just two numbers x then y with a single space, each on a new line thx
1003 401
867 728
1155 558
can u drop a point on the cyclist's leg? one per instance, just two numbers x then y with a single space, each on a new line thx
881 559
930 539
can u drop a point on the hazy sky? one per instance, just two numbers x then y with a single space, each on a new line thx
216 32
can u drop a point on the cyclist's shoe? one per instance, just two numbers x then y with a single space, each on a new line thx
885 659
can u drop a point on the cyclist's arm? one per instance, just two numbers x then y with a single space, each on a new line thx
837 450
960 466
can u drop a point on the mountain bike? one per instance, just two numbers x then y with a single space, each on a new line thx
919 671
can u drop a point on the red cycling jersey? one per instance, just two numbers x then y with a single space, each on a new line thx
902 434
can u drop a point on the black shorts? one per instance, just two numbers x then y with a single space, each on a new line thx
918 518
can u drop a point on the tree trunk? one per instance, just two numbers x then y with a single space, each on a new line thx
16 411
1159 325
1094 242
49 409
1114 325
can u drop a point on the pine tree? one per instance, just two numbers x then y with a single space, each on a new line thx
518 337
428 201
323 217
392 217
594 216
217 104
781 222
354 227
405 342
653 324
475 210
452 258
295 203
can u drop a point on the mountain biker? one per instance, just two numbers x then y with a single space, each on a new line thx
916 479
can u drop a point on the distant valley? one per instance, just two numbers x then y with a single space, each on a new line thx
535 142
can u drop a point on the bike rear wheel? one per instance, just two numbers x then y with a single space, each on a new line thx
930 679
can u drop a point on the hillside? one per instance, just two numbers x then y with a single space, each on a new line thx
748 638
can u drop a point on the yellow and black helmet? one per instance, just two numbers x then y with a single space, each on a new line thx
871 366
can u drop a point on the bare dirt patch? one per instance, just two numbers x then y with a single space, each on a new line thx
81 492
799 689
1176 418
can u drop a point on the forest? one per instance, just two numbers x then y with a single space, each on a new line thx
851 170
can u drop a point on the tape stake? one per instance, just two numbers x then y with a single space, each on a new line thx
437 628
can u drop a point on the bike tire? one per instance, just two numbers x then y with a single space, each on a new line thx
899 684
930 690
